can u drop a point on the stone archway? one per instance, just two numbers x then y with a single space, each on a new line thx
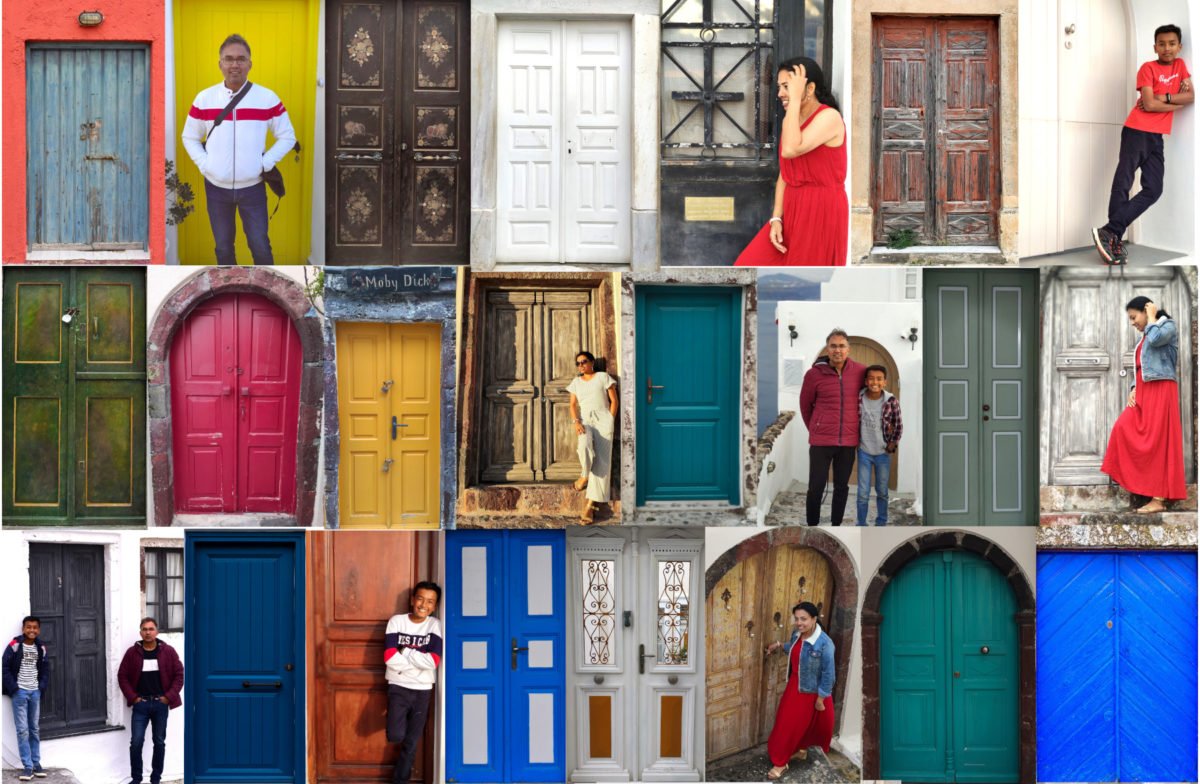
1022 589
845 592
172 312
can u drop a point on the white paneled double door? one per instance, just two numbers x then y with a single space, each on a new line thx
564 141
635 637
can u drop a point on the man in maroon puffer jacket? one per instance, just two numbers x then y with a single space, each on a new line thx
829 407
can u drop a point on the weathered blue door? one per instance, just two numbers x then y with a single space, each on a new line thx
87 126
245 657
948 672
688 391
505 661
1116 667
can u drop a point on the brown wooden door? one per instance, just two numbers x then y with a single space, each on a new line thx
358 580
398 161
935 107
530 338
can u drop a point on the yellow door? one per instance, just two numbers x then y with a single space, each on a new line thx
283 48
389 404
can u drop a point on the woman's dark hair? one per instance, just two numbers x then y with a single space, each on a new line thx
587 354
1139 303
809 608
815 76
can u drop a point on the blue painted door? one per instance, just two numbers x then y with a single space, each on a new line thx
688 391
245 657
1116 665
505 658
88 127
948 672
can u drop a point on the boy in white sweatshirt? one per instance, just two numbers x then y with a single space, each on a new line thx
412 652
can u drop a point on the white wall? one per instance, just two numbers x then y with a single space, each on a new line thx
849 739
103 757
1017 541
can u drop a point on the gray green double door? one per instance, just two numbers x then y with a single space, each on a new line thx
981 397
74 396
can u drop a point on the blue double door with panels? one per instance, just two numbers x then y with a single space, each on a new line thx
1116 666
244 692
505 660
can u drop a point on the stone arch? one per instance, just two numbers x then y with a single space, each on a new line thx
845 590
172 312
1022 588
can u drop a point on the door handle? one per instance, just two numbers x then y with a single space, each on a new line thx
358 156
650 387
386 386
958 675
446 157
515 651
396 425
95 326
262 684
387 465
642 656
245 391
226 390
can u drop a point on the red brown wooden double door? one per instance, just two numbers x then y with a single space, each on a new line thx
936 117
235 386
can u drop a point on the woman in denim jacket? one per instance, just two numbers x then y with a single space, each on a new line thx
1145 450
805 714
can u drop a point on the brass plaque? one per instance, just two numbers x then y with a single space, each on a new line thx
708 208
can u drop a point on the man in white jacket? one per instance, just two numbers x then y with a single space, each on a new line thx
230 154
412 652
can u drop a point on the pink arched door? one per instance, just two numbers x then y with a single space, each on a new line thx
235 391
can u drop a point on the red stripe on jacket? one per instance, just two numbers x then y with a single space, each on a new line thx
248 113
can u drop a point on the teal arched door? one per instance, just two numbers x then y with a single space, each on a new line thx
948 672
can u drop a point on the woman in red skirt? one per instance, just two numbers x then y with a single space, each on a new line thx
805 714
1145 450
810 221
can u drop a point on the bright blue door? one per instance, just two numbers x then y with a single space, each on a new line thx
245 658
1116 664
688 391
87 126
505 662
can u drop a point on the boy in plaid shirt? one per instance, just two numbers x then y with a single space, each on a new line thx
879 430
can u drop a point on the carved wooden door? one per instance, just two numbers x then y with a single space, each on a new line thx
359 580
935 107
530 339
397 111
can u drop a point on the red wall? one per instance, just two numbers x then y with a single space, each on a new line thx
138 21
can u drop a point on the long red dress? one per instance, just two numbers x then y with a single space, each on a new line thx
1145 449
816 212
798 724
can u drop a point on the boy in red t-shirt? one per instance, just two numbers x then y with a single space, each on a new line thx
1164 85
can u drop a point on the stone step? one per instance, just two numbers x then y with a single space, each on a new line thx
1100 498
1117 518
753 765
1117 536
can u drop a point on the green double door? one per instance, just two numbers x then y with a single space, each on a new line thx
981 397
74 396
948 672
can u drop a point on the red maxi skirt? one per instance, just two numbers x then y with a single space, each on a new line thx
1145 450
798 724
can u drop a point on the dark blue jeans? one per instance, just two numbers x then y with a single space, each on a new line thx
154 713
881 465
251 203
405 723
1139 150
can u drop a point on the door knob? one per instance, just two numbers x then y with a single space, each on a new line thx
986 407
226 391
650 387
245 391
642 656
515 650
387 465
986 418
957 675
984 650
386 386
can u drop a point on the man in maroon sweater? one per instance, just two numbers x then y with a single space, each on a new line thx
829 407
150 677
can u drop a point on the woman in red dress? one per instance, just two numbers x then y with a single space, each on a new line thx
810 221
805 714
1145 450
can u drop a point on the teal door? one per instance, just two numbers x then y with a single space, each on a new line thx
688 386
981 400
948 672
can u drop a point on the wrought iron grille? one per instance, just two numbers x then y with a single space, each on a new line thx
599 611
674 610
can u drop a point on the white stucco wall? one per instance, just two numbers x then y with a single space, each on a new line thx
849 738
102 757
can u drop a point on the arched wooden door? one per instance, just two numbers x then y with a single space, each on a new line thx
235 395
748 609
869 352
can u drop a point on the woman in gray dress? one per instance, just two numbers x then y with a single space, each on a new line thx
594 414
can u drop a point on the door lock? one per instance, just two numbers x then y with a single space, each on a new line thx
642 656
515 650
387 465
396 425
958 675
650 387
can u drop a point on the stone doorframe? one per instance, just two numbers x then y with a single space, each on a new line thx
169 317
523 505
417 308
691 512
1026 629
647 40
845 589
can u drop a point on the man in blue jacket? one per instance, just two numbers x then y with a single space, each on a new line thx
26 676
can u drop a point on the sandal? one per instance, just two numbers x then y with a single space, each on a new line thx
589 513
776 773
1157 503
801 755
581 483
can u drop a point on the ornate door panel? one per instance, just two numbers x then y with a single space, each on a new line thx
389 411
398 161
735 660
937 129
360 579
74 396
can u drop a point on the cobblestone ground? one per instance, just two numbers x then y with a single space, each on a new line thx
753 765
788 509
